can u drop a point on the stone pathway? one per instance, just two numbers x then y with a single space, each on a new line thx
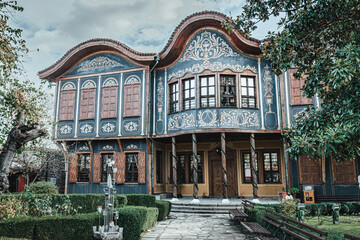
185 226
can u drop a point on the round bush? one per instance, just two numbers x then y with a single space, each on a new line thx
43 188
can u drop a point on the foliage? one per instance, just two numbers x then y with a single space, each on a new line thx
164 208
294 190
288 207
145 200
129 219
148 216
43 187
12 207
322 39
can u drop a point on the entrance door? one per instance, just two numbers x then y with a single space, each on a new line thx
216 187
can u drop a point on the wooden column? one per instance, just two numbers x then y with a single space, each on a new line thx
223 165
254 179
174 172
195 166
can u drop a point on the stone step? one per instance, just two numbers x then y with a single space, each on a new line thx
204 208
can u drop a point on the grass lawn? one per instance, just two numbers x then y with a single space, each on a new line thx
347 224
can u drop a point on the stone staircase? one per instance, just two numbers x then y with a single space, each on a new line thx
201 208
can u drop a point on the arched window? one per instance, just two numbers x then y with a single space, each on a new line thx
87 103
109 98
67 101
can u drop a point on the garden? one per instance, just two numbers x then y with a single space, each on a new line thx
318 215
42 213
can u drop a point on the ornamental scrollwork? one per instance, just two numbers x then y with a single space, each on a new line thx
88 84
66 129
236 118
110 82
131 126
207 46
107 147
215 67
84 147
99 63
108 128
86 128
133 79
132 146
68 86
207 118
181 121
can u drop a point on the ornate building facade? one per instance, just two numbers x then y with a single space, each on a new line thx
202 117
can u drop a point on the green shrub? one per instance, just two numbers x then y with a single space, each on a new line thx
43 188
19 227
164 208
129 219
12 207
288 207
148 216
145 200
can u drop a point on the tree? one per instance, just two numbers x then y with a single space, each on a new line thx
21 102
321 38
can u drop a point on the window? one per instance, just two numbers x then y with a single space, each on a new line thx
344 172
104 159
132 100
207 91
174 97
271 167
87 106
83 168
248 99
67 104
227 91
108 102
131 171
247 173
188 94
310 170
184 168
296 94
159 175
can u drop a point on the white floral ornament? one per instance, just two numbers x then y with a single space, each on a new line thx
66 129
131 126
86 128
108 127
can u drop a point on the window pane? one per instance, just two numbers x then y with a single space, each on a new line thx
251 92
131 171
192 92
211 81
250 82
211 90
243 82
243 91
251 103
203 91
203 82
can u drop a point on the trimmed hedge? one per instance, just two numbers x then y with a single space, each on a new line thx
164 208
68 227
145 200
148 216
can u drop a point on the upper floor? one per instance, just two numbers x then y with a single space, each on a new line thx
205 79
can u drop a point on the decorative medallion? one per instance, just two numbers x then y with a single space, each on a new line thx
99 63
68 86
66 129
207 46
107 147
132 146
88 84
207 118
268 87
160 96
110 82
108 128
215 67
86 128
181 121
236 118
133 79
131 126
84 147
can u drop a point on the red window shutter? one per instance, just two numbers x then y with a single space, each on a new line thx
296 97
109 102
73 168
120 160
67 103
97 168
142 168
310 170
87 104
132 100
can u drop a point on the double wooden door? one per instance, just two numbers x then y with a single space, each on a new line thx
216 183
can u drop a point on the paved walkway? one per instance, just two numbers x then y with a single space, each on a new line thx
185 226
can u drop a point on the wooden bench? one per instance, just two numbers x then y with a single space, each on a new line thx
291 227
352 237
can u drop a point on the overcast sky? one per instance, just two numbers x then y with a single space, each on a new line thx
52 27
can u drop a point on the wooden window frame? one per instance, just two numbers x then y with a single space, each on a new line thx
303 100
132 113
187 167
132 152
159 167
208 96
170 94
243 166
107 113
226 94
69 115
87 105
354 173
271 165
78 171
190 98
105 153
247 96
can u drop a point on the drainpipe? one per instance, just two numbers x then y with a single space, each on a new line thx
156 59
284 141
